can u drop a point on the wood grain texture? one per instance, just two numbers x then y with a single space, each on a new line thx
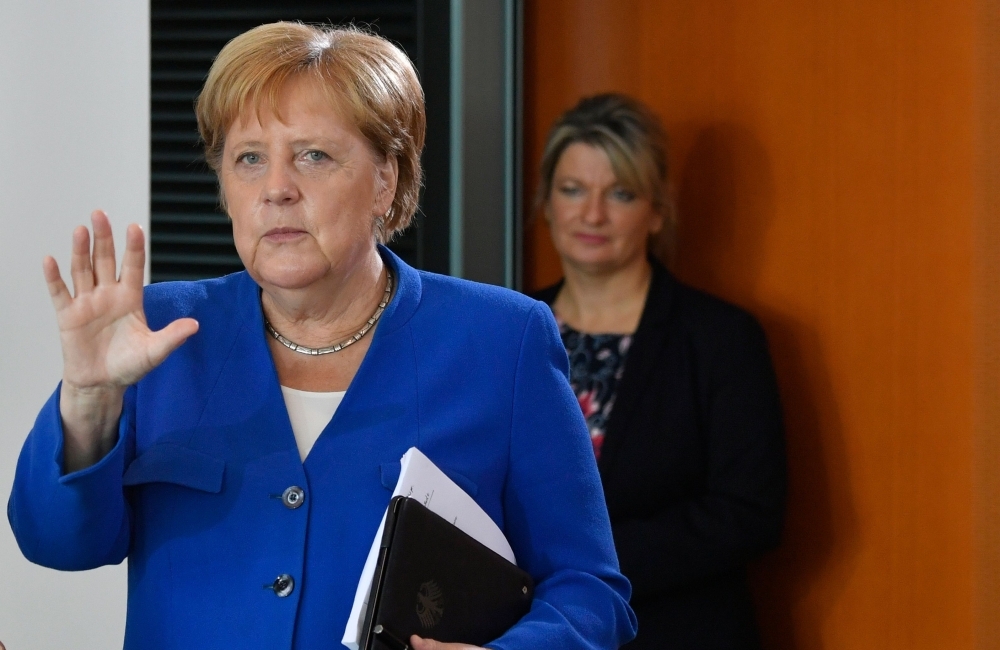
836 171
987 486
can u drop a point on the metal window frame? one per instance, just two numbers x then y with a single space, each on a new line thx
486 235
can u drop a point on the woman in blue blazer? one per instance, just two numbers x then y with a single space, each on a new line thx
184 434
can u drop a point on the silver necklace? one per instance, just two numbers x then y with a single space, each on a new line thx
357 336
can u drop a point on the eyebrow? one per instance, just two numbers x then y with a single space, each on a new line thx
578 179
316 140
247 143
295 143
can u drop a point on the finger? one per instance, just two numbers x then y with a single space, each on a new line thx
418 643
104 248
57 288
134 260
170 338
79 265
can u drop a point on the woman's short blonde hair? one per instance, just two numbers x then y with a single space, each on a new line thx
636 145
366 76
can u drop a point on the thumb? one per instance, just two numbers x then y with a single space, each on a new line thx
170 338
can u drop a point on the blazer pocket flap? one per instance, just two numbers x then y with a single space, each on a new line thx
170 463
390 476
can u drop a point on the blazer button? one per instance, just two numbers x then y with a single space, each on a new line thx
282 586
293 497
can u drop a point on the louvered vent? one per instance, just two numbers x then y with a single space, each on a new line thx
190 236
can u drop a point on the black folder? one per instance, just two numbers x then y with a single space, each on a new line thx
436 581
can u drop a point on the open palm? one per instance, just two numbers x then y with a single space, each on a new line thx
106 343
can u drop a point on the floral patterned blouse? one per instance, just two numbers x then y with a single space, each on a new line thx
596 364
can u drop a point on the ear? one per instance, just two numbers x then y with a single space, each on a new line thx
386 177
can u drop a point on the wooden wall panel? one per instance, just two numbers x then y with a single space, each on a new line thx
559 35
987 484
834 171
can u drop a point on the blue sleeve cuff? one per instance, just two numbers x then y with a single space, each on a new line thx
113 458
72 522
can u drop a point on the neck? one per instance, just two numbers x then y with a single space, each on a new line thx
604 302
330 310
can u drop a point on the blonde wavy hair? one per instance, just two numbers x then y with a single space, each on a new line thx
636 145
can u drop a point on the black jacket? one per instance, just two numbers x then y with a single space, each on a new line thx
693 465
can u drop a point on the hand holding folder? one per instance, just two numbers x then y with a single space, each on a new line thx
435 580
442 548
418 643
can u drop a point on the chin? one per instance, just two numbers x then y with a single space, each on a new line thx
594 262
288 277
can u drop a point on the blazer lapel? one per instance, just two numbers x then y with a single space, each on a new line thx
378 416
642 359
246 404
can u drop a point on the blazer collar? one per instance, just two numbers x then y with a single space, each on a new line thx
662 288
654 311
246 400
643 357
409 289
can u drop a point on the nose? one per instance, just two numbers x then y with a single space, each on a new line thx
595 211
280 187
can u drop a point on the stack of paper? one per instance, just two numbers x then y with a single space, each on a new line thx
421 479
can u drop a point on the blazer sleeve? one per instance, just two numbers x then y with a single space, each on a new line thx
75 521
555 515
738 513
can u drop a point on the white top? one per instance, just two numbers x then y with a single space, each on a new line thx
309 414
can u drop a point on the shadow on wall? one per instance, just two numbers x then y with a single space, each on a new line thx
725 196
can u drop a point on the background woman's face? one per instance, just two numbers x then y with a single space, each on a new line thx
597 224
302 191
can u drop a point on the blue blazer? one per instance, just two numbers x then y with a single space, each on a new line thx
472 375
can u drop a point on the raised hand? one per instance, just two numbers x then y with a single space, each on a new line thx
106 343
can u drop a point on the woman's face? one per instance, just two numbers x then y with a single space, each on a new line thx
597 225
303 191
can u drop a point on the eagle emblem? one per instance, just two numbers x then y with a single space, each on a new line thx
430 604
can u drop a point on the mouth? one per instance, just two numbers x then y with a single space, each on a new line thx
590 239
283 234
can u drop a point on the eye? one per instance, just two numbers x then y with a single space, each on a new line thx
249 158
623 195
570 190
314 155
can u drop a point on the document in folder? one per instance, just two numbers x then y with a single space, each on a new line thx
421 479
434 580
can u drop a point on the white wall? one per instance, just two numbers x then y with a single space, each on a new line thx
74 136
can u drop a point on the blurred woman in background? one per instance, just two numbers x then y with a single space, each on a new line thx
676 385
